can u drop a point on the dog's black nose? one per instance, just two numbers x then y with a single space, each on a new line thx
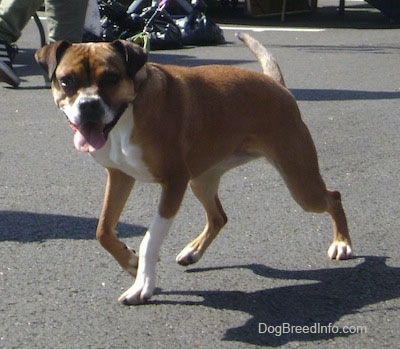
90 109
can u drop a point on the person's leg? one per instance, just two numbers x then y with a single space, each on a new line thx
65 19
14 15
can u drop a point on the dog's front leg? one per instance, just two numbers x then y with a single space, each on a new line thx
119 185
143 287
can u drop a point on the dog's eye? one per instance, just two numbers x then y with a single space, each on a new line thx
68 82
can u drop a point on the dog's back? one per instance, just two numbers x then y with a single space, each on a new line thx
268 62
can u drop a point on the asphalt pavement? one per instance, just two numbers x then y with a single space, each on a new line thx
266 280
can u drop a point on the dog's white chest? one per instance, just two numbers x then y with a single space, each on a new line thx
120 153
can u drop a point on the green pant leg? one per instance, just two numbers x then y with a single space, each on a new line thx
14 15
65 19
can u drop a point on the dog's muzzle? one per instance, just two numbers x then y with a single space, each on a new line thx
92 120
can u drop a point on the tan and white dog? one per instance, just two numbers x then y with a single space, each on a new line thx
177 126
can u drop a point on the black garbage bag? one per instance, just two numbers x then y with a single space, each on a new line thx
159 26
116 23
198 29
164 33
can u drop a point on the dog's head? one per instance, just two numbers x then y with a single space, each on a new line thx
92 84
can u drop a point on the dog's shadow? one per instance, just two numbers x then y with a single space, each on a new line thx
34 227
335 293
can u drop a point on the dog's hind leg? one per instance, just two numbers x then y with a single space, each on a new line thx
119 186
297 162
341 245
316 198
205 188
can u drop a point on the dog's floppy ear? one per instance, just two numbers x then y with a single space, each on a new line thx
134 55
50 55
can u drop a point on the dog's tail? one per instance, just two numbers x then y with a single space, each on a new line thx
268 62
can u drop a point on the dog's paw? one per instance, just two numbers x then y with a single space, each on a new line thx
189 255
133 264
340 250
139 293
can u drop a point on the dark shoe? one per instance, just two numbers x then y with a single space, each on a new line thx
7 74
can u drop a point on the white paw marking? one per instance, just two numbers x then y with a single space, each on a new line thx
340 250
188 256
140 292
143 287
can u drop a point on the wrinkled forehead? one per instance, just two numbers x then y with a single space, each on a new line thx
91 61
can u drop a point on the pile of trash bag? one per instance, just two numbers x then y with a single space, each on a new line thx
156 25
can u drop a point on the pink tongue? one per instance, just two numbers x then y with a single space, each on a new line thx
89 137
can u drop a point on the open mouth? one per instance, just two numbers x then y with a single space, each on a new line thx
91 136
